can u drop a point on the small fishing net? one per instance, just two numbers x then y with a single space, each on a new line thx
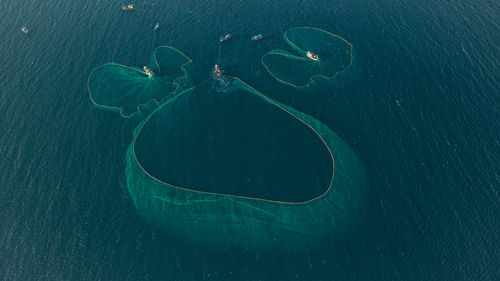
296 69
127 89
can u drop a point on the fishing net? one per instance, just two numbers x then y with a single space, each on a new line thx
220 162
224 163
296 69
128 90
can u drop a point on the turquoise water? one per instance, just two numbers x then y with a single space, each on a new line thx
420 109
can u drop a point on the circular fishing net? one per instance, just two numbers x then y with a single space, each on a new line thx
296 69
224 163
128 90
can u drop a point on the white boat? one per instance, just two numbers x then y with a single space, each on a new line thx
312 56
257 37
148 72
225 37
128 7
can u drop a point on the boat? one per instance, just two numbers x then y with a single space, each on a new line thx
312 56
225 38
157 26
128 7
148 72
257 37
217 71
25 30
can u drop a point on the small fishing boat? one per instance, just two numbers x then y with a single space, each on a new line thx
157 26
128 7
25 30
312 56
217 71
257 37
148 72
225 38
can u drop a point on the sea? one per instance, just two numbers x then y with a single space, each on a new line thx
421 111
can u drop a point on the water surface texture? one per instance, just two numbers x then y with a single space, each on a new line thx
420 109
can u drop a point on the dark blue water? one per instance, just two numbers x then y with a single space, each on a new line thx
421 112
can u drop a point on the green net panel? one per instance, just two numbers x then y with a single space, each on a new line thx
224 163
128 90
297 69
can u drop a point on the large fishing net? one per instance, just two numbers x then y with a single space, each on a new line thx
128 89
234 166
231 138
221 162
316 53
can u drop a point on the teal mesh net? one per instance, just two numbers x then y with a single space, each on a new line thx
221 162
127 89
194 175
316 54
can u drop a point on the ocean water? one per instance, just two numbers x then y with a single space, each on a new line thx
421 111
